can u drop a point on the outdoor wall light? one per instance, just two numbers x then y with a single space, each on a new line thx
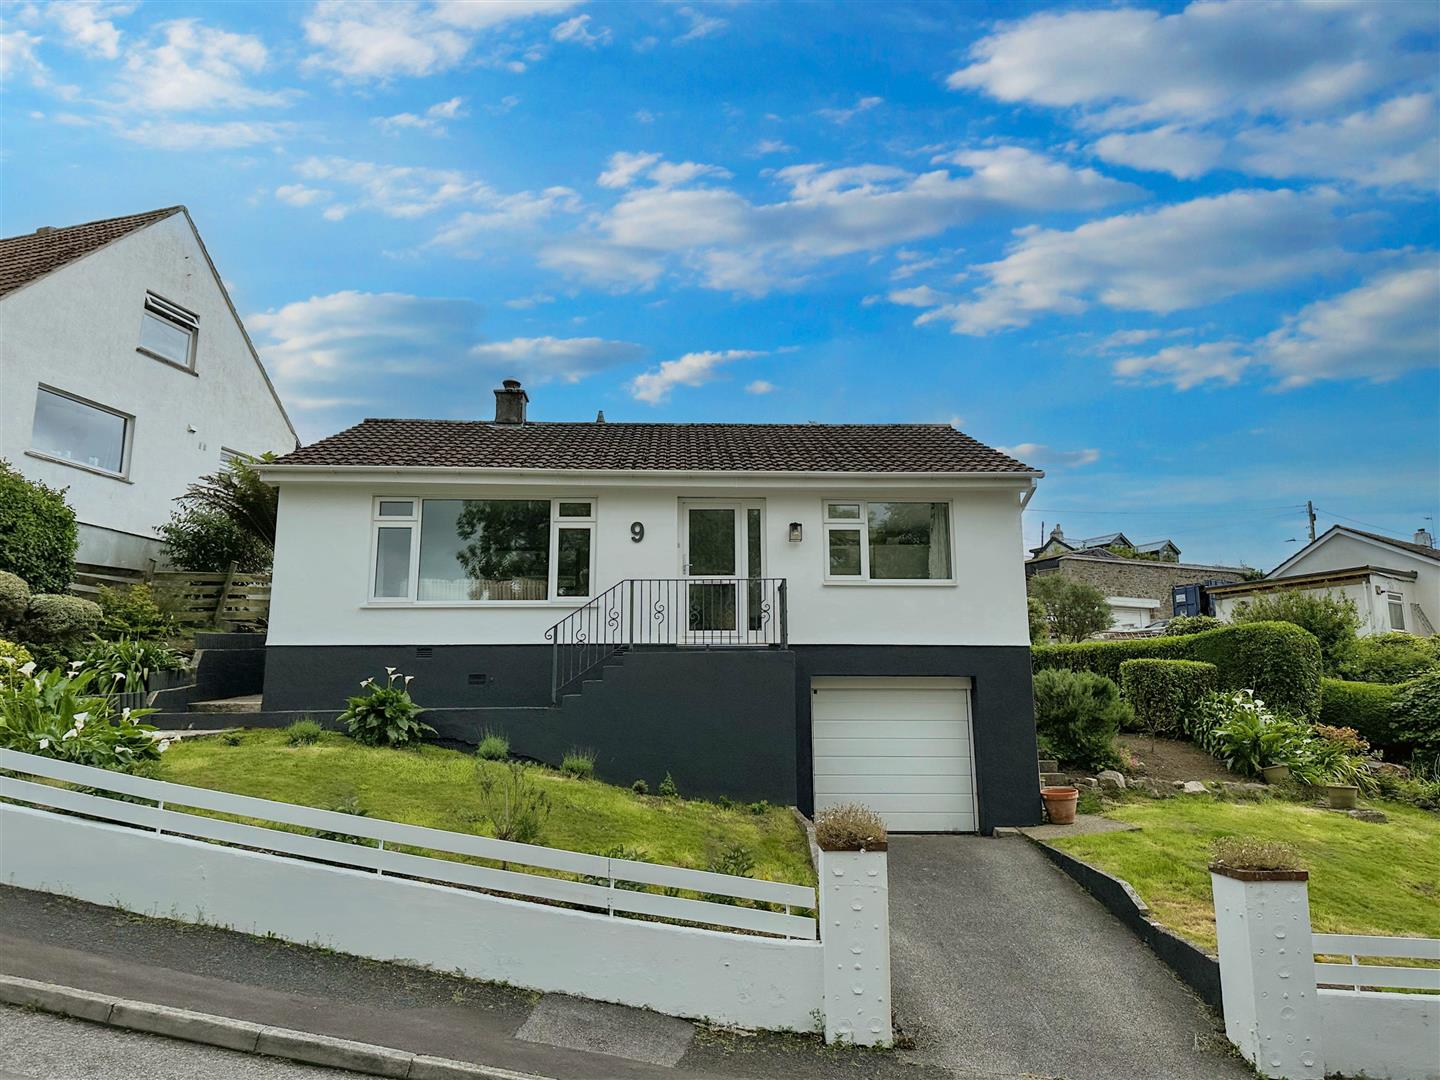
797 532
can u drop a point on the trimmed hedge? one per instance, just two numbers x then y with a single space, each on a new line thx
1077 716
1279 661
1364 706
1417 715
1164 693
38 535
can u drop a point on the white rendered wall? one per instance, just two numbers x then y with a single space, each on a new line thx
1372 607
1341 551
1383 1036
76 330
322 567
749 981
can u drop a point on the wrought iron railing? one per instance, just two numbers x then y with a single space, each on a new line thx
715 611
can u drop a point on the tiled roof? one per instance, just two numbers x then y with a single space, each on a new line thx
1407 545
481 444
25 258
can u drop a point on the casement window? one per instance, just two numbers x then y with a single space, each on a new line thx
168 332
1396 602
79 432
887 541
482 550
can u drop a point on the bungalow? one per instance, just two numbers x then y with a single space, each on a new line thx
805 613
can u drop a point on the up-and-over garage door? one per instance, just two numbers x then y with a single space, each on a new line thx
900 746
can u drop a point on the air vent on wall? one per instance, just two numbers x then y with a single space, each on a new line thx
424 652
477 678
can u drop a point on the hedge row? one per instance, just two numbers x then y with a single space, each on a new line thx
1366 707
1279 661
1164 692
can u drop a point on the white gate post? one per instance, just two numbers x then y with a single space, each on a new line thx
1267 970
855 932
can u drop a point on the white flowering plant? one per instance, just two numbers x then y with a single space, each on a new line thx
385 715
62 714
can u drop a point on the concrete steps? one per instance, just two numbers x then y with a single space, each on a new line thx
236 706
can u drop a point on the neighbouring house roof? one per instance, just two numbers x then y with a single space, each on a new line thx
1104 540
1156 546
31 256
1407 546
1312 581
1101 556
482 444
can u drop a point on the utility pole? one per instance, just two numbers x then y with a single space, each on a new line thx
1310 513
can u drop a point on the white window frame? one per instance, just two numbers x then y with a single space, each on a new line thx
126 444
412 521
862 525
156 306
1395 602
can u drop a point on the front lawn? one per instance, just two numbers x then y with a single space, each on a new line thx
436 787
1364 878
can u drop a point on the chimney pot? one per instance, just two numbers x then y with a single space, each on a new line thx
510 402
43 229
1423 538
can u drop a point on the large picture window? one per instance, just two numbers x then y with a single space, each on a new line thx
482 550
75 431
887 541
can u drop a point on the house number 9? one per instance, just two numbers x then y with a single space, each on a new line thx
637 531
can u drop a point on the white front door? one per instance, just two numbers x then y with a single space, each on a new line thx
899 746
721 550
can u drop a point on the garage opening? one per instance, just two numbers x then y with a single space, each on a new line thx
902 746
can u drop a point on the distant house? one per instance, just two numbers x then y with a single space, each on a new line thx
1395 584
1140 591
125 374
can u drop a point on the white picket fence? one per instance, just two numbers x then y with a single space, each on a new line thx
755 960
1357 976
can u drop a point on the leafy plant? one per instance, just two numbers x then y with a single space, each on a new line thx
849 827
1331 618
758 808
207 541
350 805
1039 622
14 598
1077 716
126 665
1253 853
38 535
385 715
237 492
1416 713
579 763
511 803
303 732
132 613
734 860
493 746
1192 624
1238 729
667 789
1074 610
12 658
640 787
1389 658
59 714
1164 692
1336 756
60 620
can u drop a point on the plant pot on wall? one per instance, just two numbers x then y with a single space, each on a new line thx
1060 803
1275 774
1342 796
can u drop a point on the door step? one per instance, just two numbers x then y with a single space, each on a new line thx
249 703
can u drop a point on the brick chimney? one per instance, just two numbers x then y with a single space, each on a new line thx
510 402
1423 538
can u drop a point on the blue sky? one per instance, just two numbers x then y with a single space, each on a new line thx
1182 257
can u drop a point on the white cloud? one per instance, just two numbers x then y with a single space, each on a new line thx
433 119
523 303
1041 454
18 56
193 135
624 168
300 195
362 40
400 191
921 296
701 25
772 146
602 264
760 386
692 369
844 116
187 65
1169 148
1178 256
1379 330
576 31
542 359
519 210
1124 339
86 25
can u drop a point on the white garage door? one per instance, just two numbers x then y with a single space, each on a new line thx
900 746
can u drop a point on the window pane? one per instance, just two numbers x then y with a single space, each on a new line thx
72 430
712 542
164 338
844 552
909 541
575 509
843 511
1397 614
754 600
392 563
490 549
572 575
396 508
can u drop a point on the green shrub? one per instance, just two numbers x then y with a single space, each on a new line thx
207 541
38 536
385 715
132 613
1073 609
493 746
1243 732
667 789
1421 788
1279 661
640 787
60 620
1331 618
511 803
303 732
58 714
1164 692
1416 712
14 599
1389 658
1192 624
735 860
13 659
1077 716
1039 623
579 763
126 665
1364 706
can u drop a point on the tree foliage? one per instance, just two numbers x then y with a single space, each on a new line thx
1074 610
207 541
1330 617
238 493
1039 624
506 539
38 535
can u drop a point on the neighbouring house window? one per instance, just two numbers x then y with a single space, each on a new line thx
482 550
168 331
81 432
1397 610
887 541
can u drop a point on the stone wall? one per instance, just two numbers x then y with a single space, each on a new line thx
1136 577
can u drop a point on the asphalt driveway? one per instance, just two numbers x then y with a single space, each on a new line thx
1002 964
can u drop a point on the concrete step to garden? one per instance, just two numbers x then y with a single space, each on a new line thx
1054 779
1048 765
248 703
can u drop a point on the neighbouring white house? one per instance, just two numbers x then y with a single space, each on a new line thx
806 613
126 374
1395 584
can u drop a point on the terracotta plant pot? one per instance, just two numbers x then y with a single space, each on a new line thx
1060 803
1342 796
1275 774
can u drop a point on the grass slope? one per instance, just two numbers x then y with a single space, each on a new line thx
435 787
1364 878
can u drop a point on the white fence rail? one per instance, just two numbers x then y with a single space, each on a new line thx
1357 976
